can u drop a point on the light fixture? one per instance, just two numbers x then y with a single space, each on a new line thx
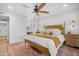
73 27
10 7
65 5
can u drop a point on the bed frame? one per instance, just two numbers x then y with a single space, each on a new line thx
41 48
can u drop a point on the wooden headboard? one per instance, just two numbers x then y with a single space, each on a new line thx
60 27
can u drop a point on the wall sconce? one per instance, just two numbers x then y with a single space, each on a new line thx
73 27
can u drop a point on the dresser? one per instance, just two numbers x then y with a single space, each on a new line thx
72 40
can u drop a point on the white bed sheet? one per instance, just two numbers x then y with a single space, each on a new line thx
45 42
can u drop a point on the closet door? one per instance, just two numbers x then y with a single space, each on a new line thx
4 34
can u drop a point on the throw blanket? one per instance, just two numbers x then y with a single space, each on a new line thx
52 37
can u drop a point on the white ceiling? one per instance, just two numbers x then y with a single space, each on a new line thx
53 8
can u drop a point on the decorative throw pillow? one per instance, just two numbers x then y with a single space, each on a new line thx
45 33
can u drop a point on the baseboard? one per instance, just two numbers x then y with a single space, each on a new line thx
15 42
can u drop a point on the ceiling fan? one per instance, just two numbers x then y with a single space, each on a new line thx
38 8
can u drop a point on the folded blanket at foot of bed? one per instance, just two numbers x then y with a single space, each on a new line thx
52 37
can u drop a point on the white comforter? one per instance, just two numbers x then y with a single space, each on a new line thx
45 42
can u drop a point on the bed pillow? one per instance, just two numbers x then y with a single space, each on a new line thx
56 31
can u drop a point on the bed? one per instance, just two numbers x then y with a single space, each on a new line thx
48 44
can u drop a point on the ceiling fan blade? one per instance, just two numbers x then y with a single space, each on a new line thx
44 12
41 6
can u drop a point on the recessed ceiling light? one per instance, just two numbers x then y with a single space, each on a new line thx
10 7
65 5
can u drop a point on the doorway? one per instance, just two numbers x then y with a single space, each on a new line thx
4 35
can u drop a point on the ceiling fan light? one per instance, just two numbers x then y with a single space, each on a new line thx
10 7
65 5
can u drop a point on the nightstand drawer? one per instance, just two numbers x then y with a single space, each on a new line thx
73 36
77 43
72 40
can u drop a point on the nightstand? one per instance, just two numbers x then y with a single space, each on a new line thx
72 40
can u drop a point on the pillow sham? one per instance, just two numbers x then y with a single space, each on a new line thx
54 31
